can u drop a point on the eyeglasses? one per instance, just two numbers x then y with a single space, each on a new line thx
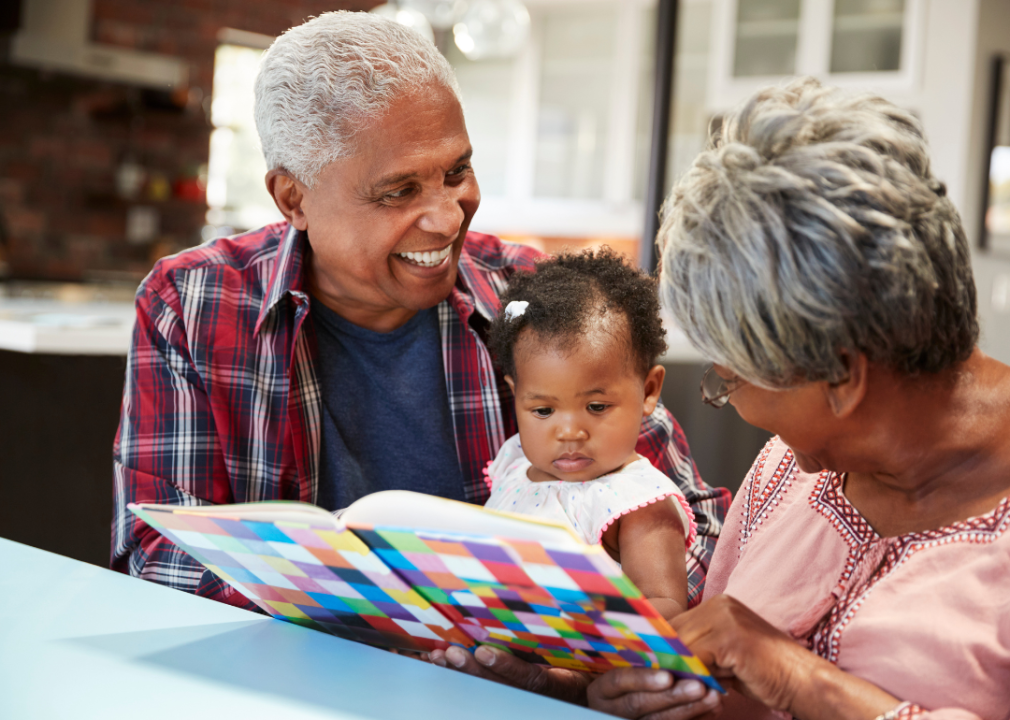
715 390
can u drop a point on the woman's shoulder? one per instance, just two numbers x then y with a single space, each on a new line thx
774 473
772 456
773 488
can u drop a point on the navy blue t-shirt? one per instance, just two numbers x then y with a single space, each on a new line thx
386 423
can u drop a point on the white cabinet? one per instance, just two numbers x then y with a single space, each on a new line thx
872 44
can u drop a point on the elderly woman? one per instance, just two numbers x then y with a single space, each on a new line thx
864 570
811 254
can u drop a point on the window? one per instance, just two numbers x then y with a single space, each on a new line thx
996 235
236 194
578 50
487 96
561 132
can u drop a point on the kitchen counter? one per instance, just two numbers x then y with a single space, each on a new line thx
66 318
59 328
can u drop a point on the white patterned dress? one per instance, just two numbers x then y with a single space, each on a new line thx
588 507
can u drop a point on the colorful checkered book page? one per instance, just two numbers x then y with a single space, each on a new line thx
381 574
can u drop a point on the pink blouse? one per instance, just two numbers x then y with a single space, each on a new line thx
924 616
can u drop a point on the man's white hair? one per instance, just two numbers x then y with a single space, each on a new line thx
322 81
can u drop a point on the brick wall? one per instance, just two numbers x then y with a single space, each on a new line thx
62 138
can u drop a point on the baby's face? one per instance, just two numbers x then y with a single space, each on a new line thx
580 410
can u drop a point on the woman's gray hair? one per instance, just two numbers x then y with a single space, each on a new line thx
322 81
811 226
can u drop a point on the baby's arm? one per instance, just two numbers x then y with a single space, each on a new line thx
650 543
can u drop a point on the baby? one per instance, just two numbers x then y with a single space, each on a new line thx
578 341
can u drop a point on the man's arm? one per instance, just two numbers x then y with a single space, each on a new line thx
662 441
166 451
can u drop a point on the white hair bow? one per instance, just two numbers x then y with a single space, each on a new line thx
515 309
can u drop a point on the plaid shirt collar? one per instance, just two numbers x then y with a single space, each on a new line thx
471 292
288 275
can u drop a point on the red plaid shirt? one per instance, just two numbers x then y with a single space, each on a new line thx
222 398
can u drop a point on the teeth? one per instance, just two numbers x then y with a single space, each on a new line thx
427 259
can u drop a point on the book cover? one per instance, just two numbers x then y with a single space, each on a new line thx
414 572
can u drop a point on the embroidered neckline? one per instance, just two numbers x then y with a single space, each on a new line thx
829 500
759 505
981 530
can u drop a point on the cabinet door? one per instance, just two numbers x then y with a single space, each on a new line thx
867 35
766 36
869 44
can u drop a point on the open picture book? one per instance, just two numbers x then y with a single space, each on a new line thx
415 572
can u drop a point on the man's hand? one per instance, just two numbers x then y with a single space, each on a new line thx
651 694
494 664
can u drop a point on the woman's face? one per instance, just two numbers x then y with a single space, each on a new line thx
800 415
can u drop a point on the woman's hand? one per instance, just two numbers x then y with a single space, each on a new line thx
769 666
626 692
497 665
651 694
760 661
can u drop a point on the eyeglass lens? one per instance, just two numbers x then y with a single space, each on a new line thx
713 386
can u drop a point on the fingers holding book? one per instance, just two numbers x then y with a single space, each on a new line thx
656 694
499 666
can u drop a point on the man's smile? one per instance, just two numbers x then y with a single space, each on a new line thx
427 259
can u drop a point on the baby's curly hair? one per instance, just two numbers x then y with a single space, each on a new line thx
567 292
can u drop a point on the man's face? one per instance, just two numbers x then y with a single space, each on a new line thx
386 226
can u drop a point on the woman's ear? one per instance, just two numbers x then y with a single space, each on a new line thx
288 194
511 383
846 395
653 388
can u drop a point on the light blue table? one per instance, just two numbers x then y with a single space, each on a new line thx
78 642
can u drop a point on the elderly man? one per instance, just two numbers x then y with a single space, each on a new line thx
340 352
